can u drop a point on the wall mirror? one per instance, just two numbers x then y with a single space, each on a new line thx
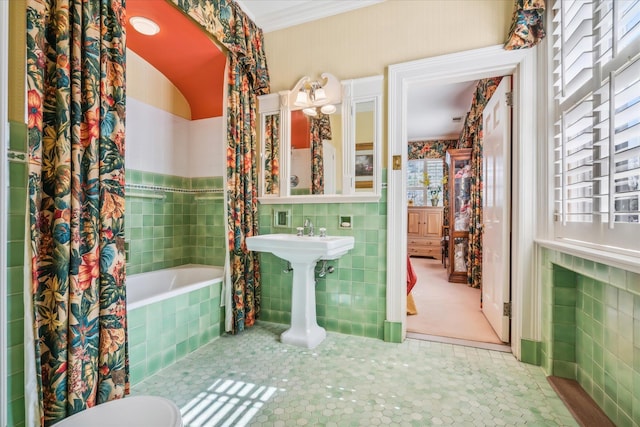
321 141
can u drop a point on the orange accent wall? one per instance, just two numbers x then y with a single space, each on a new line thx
183 52
300 137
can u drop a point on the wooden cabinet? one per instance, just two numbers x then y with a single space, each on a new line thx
459 212
424 231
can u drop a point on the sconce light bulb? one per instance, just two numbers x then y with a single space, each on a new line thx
320 95
302 99
310 112
328 109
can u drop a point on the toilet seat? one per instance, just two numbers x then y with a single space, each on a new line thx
134 411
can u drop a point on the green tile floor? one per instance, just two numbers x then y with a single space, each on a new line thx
253 379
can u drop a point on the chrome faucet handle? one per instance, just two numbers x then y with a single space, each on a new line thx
323 232
309 224
299 231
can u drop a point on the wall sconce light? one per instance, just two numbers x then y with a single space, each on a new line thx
317 96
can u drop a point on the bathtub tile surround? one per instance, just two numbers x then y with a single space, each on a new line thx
186 226
591 331
415 383
164 332
352 299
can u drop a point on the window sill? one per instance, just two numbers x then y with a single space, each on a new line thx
625 262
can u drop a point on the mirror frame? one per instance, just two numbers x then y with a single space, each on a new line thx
268 106
366 89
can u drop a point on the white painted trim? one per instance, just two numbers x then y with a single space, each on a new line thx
525 297
623 262
303 11
318 198
4 161
454 68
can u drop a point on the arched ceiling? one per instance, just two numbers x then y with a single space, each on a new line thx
183 53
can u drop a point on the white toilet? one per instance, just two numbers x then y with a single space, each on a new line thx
134 411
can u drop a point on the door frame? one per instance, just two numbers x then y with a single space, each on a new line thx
453 68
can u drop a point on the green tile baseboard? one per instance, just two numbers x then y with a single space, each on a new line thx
393 331
530 351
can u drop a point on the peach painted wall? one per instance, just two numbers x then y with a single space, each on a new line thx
147 84
365 41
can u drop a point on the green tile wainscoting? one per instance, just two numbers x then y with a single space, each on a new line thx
177 221
352 299
591 331
15 270
164 332
530 351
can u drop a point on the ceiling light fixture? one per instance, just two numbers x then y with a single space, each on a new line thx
144 25
317 96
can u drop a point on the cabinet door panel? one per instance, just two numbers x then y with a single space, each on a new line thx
413 222
434 224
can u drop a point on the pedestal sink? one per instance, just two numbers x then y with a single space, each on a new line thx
303 252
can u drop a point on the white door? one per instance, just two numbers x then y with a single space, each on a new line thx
496 205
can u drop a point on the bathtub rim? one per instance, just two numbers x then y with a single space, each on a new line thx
179 291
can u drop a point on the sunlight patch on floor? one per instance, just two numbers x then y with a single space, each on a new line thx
226 403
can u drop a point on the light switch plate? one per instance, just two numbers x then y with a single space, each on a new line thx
282 218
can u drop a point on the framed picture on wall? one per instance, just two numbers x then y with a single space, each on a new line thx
364 165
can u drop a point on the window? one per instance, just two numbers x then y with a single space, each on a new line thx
596 74
419 193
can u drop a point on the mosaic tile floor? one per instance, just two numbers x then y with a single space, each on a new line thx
252 379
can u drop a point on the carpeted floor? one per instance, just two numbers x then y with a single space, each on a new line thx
446 309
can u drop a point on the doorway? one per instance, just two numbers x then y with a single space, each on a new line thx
444 243
446 310
475 64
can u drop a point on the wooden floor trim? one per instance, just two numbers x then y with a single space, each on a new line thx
583 408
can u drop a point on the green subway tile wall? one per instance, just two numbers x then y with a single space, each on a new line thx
352 299
164 332
184 226
15 271
591 331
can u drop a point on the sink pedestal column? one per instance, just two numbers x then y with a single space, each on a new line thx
304 330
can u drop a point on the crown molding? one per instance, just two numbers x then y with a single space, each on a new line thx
284 14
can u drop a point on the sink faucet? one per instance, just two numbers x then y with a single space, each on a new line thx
308 224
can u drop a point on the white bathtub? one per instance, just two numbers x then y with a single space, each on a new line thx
153 286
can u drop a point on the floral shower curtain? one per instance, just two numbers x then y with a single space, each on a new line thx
435 149
272 154
76 116
527 25
247 78
471 137
320 130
